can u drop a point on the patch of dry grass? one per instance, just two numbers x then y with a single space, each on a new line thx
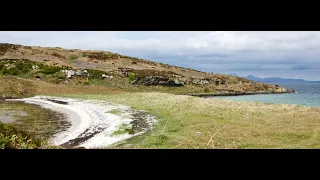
11 87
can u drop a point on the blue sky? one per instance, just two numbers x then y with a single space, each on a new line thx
293 54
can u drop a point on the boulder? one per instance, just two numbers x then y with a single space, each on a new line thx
104 76
71 73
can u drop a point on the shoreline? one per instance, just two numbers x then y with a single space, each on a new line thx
238 94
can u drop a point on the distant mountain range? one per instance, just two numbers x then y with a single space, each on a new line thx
275 79
279 80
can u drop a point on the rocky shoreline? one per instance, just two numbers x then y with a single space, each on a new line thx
224 93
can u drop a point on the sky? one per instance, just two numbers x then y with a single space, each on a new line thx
285 54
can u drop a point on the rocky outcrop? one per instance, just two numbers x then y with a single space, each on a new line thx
106 76
71 73
156 81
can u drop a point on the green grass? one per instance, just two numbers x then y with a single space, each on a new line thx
123 129
115 111
11 138
191 122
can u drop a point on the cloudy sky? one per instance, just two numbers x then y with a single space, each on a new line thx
283 54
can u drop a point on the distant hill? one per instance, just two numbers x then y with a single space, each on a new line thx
279 80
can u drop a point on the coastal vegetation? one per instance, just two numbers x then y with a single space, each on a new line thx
162 90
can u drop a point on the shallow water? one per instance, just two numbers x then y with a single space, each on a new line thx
32 118
306 95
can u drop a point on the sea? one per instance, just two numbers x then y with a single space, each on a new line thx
307 94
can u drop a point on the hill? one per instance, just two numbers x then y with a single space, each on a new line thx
109 69
279 80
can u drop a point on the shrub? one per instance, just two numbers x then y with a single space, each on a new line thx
73 57
2 65
95 74
11 71
12 138
50 69
24 67
59 75
132 77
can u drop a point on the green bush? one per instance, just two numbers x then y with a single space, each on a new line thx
95 74
12 138
2 65
59 75
24 67
14 71
131 77
10 71
50 69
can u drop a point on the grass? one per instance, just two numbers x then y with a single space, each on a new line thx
115 111
11 138
191 122
12 87
123 129
73 57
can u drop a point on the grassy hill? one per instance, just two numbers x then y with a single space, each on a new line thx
120 71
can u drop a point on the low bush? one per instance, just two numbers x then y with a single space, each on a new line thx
11 138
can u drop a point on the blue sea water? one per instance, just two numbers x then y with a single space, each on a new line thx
307 94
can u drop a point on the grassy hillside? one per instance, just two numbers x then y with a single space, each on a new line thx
127 72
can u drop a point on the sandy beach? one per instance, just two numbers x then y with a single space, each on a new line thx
92 126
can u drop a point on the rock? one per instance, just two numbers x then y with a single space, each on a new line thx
34 67
70 73
38 78
103 76
106 76
156 81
